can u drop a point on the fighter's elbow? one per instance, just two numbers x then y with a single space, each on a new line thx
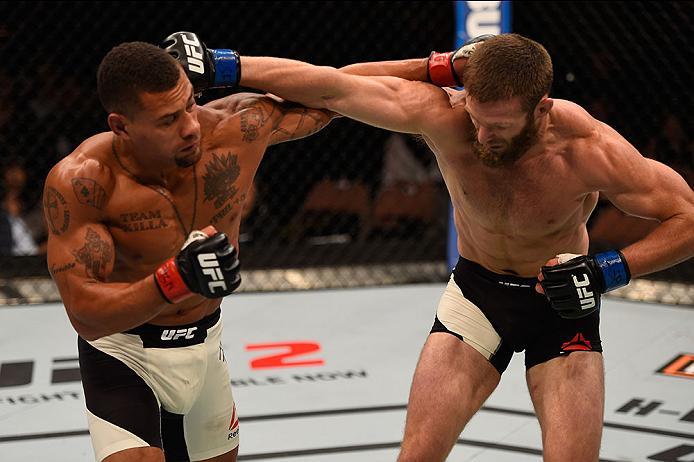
689 219
329 115
328 100
83 329
90 336
82 320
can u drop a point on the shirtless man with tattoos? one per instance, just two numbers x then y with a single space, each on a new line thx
144 225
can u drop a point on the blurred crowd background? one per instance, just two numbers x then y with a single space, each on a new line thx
351 195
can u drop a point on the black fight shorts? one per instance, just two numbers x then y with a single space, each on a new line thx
498 314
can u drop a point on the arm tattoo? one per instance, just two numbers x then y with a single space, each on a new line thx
310 121
56 211
61 269
95 255
253 118
89 192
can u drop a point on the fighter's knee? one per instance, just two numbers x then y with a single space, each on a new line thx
562 456
226 457
414 458
406 454
418 454
148 454
406 457
559 448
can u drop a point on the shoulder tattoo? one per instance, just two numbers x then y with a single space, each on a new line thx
89 192
253 118
56 211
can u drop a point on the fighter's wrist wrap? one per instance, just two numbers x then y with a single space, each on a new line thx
170 282
227 68
440 70
613 268
440 67
573 287
205 67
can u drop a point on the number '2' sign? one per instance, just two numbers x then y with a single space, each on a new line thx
285 355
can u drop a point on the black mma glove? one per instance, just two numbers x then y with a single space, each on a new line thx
574 287
207 265
440 69
205 67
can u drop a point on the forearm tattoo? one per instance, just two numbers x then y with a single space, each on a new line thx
96 255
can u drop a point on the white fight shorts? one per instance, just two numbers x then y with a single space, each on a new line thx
162 386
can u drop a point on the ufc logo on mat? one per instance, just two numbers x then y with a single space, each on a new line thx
210 265
194 52
175 334
584 296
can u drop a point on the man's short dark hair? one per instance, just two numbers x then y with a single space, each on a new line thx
130 69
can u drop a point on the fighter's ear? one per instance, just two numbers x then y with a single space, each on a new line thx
118 124
543 107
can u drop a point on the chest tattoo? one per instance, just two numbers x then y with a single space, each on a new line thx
220 174
142 221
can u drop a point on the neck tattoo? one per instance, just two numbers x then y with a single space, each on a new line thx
163 192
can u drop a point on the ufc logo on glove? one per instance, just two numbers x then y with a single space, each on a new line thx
207 265
210 265
194 52
598 274
586 297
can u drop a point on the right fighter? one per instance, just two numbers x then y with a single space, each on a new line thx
524 172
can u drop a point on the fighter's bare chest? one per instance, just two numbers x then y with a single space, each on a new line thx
531 199
149 223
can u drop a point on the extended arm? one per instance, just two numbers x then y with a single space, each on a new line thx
408 69
441 69
267 114
386 102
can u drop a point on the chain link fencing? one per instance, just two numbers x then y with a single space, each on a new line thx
631 65
351 205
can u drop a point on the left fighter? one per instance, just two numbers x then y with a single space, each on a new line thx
144 224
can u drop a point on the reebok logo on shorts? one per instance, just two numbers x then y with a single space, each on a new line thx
233 425
578 343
